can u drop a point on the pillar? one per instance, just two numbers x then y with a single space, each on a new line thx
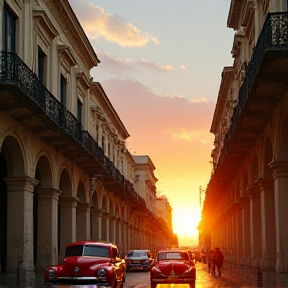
83 222
20 249
255 226
280 176
47 228
246 232
67 223
268 223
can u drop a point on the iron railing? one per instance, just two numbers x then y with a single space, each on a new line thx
273 37
14 72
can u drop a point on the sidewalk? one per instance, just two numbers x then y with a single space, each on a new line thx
248 277
12 281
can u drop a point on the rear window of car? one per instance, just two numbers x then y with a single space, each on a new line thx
97 251
76 250
86 250
173 256
137 254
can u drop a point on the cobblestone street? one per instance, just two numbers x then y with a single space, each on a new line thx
232 276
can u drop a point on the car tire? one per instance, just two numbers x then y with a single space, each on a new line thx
114 284
123 278
192 284
153 285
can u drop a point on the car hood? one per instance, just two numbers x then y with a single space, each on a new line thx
84 263
174 268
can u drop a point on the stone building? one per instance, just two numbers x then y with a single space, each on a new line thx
65 172
245 209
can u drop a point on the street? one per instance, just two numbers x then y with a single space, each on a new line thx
231 277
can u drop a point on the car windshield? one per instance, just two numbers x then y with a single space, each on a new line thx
137 254
173 256
80 250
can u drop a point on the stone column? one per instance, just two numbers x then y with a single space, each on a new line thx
280 176
67 223
117 231
268 223
255 226
47 228
104 226
112 228
246 232
238 254
96 225
20 251
83 222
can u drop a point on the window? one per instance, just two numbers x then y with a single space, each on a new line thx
79 111
9 31
41 64
63 88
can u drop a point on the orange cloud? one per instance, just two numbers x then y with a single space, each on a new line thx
191 136
97 23
146 114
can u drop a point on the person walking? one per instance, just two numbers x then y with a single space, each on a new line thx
210 261
218 259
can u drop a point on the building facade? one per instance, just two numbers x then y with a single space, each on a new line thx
65 172
245 207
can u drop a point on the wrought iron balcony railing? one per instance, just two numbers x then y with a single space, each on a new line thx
273 38
15 73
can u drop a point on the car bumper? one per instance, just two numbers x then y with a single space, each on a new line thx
173 280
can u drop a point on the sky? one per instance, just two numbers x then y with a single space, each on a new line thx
161 65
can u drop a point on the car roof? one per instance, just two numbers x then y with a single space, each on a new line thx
172 250
139 250
99 243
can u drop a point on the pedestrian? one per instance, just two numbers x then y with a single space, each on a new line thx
210 261
218 259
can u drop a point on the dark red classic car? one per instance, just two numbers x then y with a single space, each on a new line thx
89 262
173 266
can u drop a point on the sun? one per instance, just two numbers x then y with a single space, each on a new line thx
186 220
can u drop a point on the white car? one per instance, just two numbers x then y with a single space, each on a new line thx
138 260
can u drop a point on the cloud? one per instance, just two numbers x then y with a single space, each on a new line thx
150 65
191 136
170 118
97 23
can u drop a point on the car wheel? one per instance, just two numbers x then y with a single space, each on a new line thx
123 278
192 284
153 285
114 284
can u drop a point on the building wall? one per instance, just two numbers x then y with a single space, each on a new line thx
244 210
65 173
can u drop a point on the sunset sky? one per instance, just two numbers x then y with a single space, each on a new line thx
161 65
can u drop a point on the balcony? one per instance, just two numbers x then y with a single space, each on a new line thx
264 85
28 101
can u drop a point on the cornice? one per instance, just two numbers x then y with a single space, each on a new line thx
73 30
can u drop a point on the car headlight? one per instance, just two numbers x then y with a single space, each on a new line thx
101 272
51 273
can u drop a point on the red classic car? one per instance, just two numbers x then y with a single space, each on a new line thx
173 266
89 262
